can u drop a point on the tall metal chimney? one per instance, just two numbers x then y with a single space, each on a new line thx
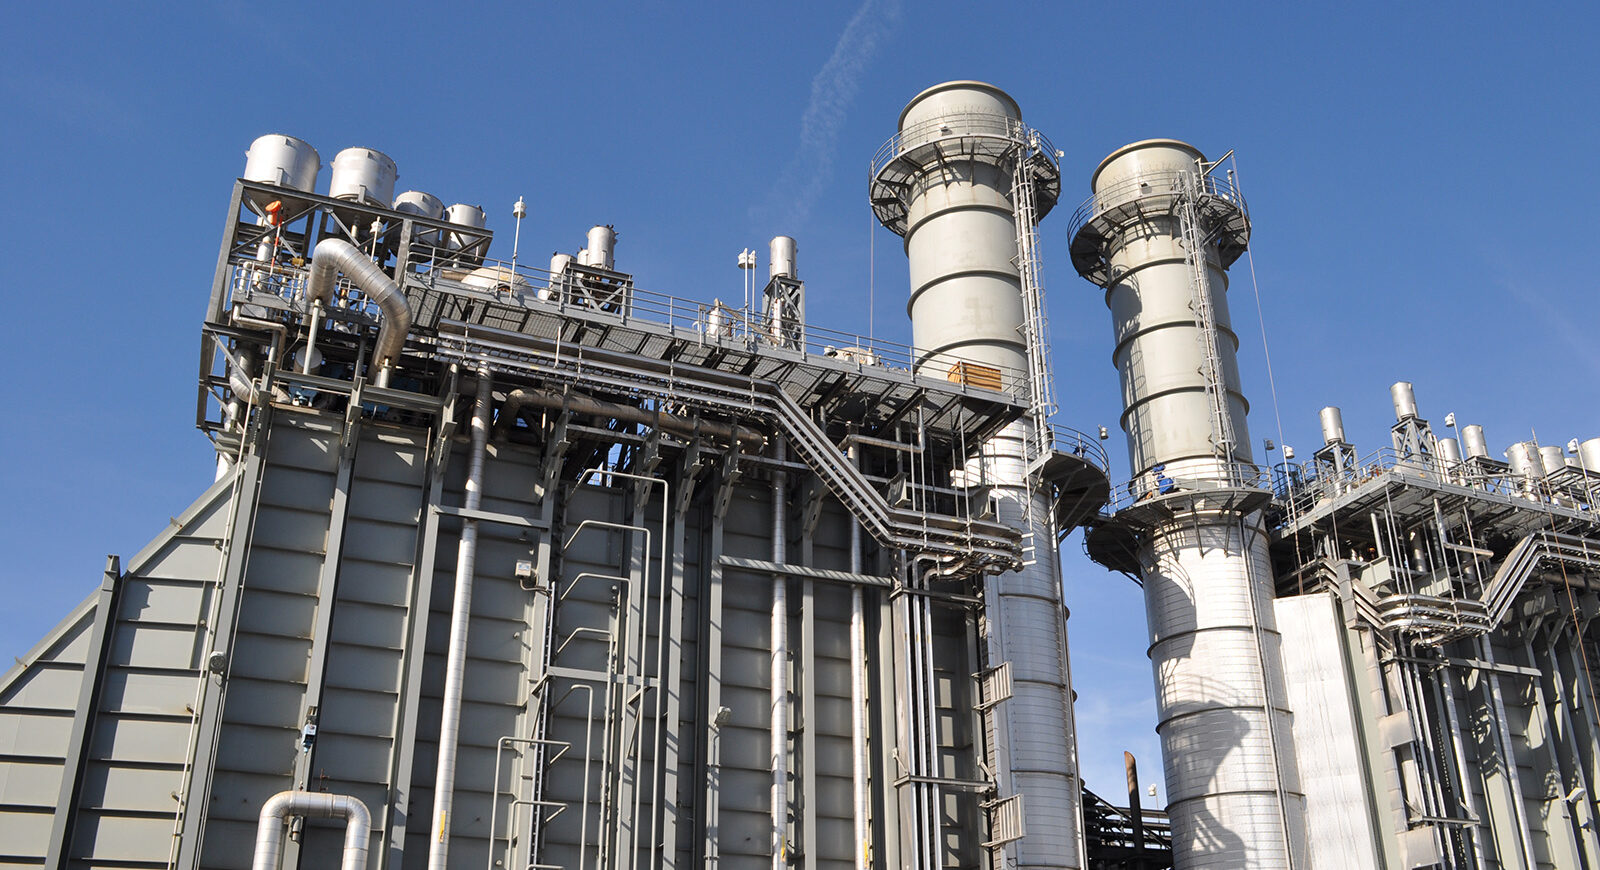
946 182
1158 234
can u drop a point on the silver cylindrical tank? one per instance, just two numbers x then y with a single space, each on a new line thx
1449 450
1405 400
1472 441
284 161
559 263
363 175
1525 462
468 216
1589 455
961 238
415 202
1552 458
1332 425
418 203
781 262
499 279
602 247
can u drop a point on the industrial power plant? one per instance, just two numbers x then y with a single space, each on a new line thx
513 566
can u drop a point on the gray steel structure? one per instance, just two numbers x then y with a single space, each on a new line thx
596 567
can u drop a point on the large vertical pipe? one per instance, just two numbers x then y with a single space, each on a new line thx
460 619
780 664
858 703
1214 645
945 184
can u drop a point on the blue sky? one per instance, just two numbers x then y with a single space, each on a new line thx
1422 183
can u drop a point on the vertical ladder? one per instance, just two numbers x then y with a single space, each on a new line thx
1192 191
1035 325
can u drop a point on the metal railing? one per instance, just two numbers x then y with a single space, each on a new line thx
1216 477
1300 486
1167 186
580 291
1065 439
1005 131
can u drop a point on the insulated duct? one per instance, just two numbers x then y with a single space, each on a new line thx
312 805
333 256
1232 785
945 183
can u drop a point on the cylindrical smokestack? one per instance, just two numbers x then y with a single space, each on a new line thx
781 262
602 247
1332 426
1232 783
961 237
1149 289
1405 401
946 186
1472 441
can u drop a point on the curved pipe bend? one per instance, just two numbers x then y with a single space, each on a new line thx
312 805
333 256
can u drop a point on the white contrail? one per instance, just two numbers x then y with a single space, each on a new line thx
832 91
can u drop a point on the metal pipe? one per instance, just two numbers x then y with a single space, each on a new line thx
516 400
333 256
780 665
858 702
312 805
460 619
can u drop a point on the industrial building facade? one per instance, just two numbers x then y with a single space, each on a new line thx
525 567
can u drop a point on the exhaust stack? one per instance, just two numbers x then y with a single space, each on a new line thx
1158 234
945 182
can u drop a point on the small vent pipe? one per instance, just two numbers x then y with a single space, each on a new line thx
1473 443
312 805
781 260
333 256
1405 401
602 249
1332 425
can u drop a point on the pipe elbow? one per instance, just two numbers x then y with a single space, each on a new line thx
333 256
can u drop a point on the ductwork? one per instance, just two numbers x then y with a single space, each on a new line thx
748 439
312 805
333 256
